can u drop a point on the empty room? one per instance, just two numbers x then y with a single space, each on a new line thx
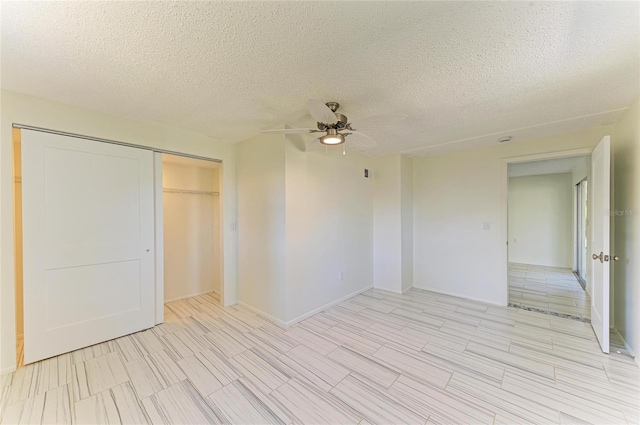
319 212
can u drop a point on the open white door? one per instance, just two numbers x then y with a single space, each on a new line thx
600 204
88 223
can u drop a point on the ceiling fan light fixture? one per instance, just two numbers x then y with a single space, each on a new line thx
332 138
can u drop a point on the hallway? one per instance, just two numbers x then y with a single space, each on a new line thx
551 289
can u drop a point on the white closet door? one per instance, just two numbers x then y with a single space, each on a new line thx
88 223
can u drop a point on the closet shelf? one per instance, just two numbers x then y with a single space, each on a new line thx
189 192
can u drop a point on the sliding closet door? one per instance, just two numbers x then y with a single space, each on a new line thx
88 223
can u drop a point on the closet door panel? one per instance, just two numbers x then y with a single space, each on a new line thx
88 225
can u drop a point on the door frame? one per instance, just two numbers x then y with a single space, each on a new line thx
505 203
579 222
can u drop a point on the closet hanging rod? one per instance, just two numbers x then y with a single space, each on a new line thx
113 142
189 192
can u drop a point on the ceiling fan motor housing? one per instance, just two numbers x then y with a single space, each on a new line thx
340 125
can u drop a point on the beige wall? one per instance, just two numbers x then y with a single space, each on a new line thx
17 199
626 225
541 220
191 231
23 109
454 195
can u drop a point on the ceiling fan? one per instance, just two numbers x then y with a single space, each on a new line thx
337 127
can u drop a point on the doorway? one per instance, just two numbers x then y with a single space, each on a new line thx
581 220
191 227
548 237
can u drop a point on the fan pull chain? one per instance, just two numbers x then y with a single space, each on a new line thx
344 149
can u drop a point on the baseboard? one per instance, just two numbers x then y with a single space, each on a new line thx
464 297
182 297
8 369
287 325
326 306
280 323
626 347
404 291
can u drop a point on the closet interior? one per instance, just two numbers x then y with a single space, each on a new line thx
191 210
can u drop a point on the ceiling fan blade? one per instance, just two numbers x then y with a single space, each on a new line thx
289 131
361 140
321 112
377 121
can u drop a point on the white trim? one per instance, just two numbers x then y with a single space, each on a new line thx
626 347
394 291
326 306
287 325
182 297
453 294
267 316
9 369
505 202
158 237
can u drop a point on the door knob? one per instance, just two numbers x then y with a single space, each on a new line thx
598 257
615 258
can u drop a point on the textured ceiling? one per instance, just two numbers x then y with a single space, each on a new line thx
464 72
546 166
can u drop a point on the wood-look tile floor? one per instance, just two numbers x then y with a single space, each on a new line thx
376 358
552 289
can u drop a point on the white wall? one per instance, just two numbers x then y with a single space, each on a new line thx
541 220
261 224
387 223
406 216
393 223
305 226
626 224
23 109
454 195
329 221
191 251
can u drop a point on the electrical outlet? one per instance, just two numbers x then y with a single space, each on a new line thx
486 226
